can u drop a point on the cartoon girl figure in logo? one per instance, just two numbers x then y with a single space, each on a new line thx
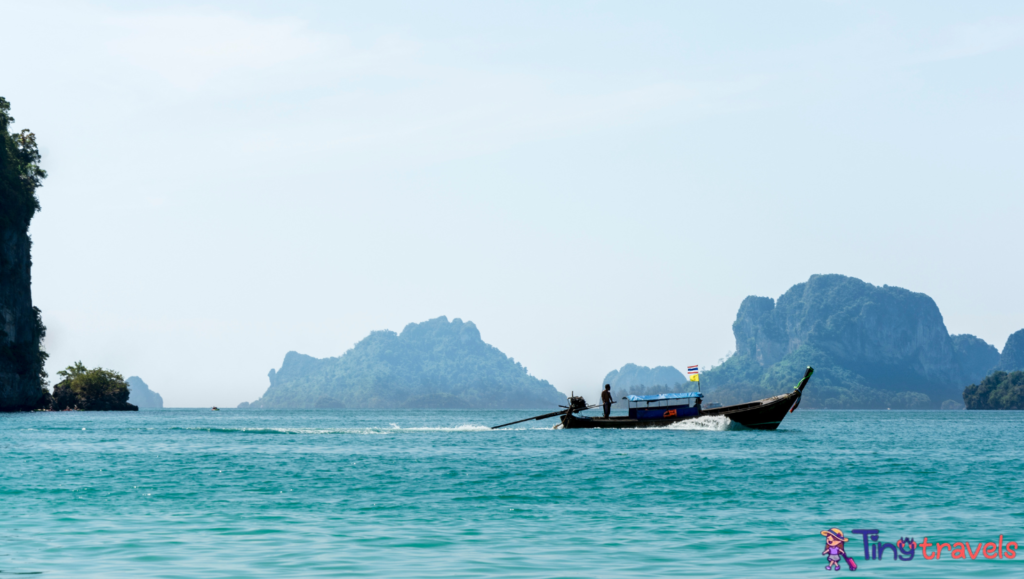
835 550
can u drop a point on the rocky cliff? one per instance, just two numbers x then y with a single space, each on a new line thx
140 394
21 328
872 347
1012 359
434 364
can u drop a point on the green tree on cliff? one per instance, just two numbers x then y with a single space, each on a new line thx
20 173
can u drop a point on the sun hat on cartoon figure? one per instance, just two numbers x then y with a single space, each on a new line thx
835 533
834 539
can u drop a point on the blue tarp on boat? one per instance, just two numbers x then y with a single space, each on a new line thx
676 412
652 397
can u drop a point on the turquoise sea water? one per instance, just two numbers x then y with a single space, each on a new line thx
195 493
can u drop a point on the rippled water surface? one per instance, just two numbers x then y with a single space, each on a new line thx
236 493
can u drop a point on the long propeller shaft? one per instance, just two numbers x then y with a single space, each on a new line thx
541 417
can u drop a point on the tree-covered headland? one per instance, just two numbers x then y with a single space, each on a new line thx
998 391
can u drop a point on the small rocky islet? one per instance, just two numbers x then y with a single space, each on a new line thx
82 388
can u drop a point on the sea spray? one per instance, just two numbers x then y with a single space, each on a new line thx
719 423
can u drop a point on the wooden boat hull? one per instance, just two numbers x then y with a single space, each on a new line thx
764 414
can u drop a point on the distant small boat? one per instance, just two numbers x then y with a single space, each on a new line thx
764 414
215 408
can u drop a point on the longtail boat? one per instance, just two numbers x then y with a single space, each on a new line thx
667 409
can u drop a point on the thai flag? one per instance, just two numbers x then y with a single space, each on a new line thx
691 369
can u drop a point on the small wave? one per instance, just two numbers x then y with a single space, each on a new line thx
704 423
309 431
462 428
278 430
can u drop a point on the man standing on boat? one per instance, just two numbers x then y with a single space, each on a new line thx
606 399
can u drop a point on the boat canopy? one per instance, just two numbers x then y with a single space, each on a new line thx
652 397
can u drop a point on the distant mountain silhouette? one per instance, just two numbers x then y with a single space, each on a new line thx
1013 353
633 375
141 396
871 347
434 364
975 357
633 379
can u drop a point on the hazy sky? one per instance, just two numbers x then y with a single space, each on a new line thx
591 183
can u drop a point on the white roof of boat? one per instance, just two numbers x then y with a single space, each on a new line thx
651 397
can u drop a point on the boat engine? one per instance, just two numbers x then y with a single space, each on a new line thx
577 404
